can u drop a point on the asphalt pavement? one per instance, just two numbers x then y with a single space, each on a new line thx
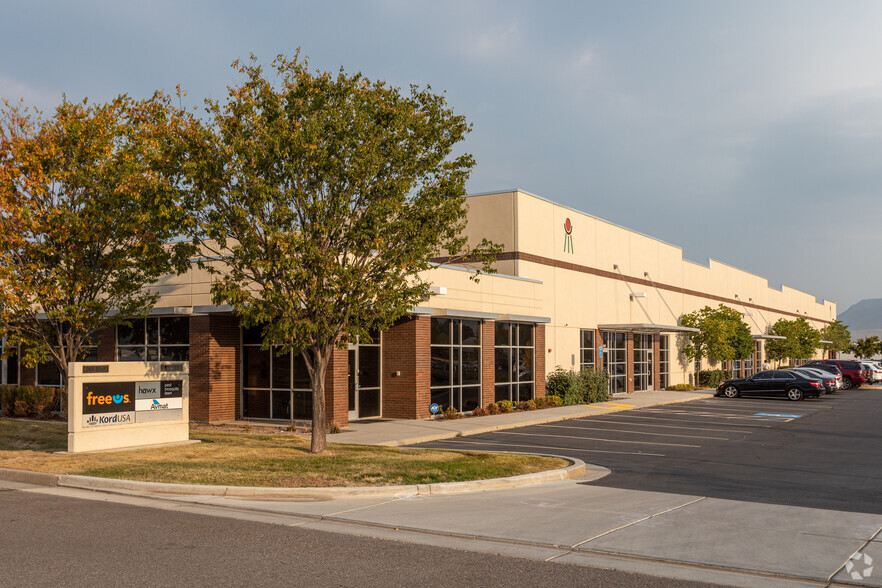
819 453
698 491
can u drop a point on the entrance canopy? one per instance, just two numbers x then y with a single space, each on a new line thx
775 337
648 328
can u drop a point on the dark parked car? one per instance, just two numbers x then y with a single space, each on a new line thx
853 373
831 381
793 385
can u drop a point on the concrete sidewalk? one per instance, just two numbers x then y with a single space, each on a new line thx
394 433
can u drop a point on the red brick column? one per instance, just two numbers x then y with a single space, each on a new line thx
337 389
629 362
656 362
539 351
407 369
107 344
214 367
488 363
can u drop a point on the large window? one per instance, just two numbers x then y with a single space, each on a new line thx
587 349
615 360
273 385
164 338
456 363
664 366
642 361
9 365
514 359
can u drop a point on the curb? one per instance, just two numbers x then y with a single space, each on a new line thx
451 434
576 469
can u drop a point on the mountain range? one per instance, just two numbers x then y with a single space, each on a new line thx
864 318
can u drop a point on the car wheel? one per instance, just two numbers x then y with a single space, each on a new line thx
794 394
731 392
846 383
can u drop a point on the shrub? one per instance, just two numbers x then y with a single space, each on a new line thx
596 385
527 405
492 408
567 385
552 401
480 411
451 413
505 406
36 402
681 387
712 378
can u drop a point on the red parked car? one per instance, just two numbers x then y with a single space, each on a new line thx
853 373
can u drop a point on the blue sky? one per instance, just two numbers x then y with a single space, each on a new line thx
749 132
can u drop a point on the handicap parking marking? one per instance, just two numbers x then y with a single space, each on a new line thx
614 406
777 414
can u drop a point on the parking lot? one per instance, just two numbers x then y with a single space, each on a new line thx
820 453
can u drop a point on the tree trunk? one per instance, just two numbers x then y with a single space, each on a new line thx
321 357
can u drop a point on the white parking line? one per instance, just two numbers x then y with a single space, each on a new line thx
594 439
597 420
547 448
650 418
632 432
712 414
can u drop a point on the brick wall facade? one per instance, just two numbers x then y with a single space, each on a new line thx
107 344
337 389
488 363
406 368
214 368
539 351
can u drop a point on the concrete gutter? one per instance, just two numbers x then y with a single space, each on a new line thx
576 469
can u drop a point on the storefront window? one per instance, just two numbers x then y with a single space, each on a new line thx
615 360
273 385
514 361
663 361
8 365
164 338
587 349
642 361
456 363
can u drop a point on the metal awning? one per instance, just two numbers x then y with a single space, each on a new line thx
775 337
648 328
822 342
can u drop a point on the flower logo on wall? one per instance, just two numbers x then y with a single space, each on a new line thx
568 238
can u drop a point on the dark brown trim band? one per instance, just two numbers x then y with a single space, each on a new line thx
521 256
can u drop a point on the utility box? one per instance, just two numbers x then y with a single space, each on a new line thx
121 405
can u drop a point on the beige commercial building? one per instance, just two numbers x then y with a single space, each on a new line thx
571 290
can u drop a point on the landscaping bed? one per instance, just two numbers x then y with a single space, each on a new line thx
240 458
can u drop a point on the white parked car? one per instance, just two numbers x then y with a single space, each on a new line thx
875 371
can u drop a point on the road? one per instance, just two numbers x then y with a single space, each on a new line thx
52 540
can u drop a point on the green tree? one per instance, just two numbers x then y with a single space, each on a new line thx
838 335
723 335
328 195
865 347
801 340
87 198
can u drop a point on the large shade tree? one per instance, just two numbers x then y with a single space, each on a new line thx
327 196
723 335
838 335
800 342
88 196
865 347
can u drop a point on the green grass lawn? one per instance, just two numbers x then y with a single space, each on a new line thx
251 459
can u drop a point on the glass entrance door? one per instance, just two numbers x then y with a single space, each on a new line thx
364 380
642 361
